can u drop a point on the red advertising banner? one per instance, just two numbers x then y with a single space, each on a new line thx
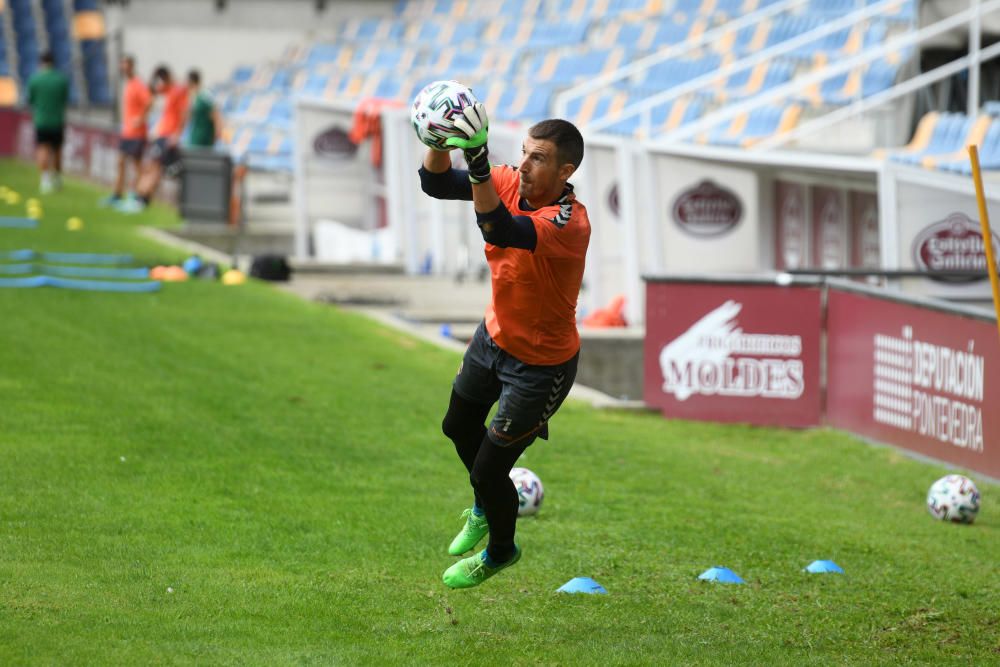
921 379
89 151
733 352
10 121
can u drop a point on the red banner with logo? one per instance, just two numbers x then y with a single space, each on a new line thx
734 352
921 379
89 151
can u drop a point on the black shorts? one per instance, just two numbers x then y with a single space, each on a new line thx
529 395
164 153
49 137
133 148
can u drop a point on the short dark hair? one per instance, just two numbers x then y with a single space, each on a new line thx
47 58
163 73
568 140
194 77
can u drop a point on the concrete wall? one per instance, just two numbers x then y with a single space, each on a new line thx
611 361
186 34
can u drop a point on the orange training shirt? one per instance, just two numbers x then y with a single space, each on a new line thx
135 100
532 314
173 111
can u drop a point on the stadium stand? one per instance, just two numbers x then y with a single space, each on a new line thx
63 26
941 140
88 28
527 52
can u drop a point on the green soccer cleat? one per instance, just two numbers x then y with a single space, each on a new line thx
473 570
474 530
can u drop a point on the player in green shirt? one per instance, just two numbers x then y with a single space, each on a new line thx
48 95
204 121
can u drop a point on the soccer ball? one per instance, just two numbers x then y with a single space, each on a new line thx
953 498
529 491
434 111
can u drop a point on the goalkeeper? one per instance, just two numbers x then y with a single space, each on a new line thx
524 354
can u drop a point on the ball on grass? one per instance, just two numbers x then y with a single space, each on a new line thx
74 224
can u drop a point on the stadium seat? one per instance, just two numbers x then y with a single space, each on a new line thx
944 136
762 77
975 137
435 32
25 38
748 128
379 30
568 68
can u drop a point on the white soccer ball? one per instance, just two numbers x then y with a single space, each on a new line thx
529 491
434 111
953 498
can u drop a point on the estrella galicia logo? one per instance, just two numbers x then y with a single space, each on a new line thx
952 244
707 210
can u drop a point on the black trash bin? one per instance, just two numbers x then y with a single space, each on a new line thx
206 185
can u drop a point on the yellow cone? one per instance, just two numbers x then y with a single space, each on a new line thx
233 277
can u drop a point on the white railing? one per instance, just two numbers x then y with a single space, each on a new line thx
873 101
784 91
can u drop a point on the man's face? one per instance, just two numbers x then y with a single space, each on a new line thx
125 67
542 177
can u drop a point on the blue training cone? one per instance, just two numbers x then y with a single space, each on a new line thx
818 566
581 585
721 574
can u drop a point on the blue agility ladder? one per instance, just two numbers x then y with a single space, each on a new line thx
65 257
90 285
75 271
71 277
18 223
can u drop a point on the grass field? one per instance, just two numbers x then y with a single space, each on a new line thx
278 466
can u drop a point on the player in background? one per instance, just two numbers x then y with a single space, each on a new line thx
524 354
164 154
136 100
48 95
204 121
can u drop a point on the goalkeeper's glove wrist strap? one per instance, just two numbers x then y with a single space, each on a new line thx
479 164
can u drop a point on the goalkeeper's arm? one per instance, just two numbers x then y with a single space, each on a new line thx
498 226
439 180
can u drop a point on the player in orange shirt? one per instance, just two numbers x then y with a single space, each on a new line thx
164 154
524 354
136 100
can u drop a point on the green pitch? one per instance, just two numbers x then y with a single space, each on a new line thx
213 475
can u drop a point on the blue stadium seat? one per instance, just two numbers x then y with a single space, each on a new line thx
95 70
989 154
677 71
879 76
759 123
4 65
323 53
25 38
948 135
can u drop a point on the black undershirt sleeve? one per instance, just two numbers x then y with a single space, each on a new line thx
451 184
504 230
